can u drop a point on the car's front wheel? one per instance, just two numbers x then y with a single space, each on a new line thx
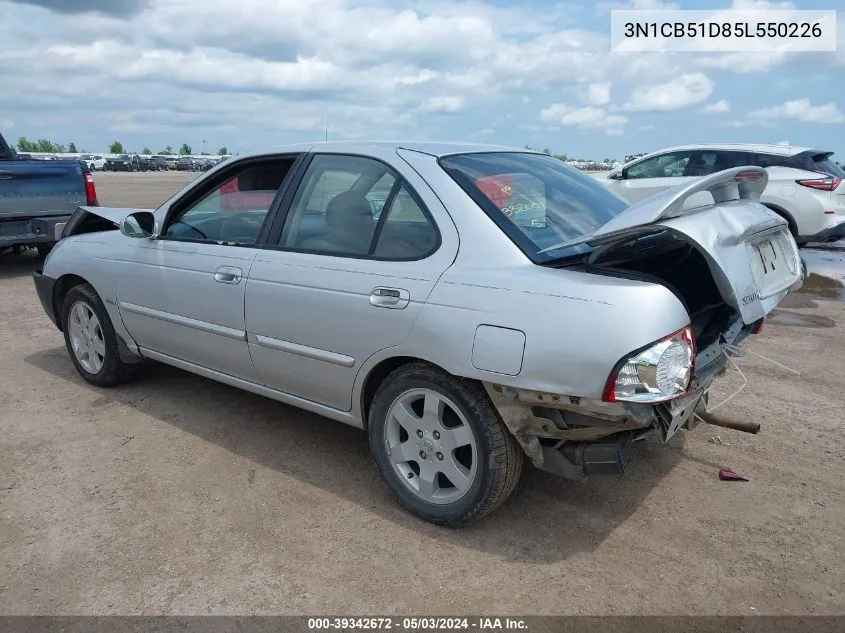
90 338
441 446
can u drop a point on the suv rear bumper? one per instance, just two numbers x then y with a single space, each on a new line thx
831 234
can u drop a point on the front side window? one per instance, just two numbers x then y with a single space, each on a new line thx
537 200
669 165
233 211
357 207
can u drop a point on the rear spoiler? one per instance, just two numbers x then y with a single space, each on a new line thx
737 183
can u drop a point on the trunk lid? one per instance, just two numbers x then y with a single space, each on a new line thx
752 256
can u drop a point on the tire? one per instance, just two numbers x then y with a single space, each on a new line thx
111 370
491 463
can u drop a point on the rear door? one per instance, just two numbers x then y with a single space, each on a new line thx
652 175
344 274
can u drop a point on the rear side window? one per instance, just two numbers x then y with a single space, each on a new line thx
354 206
773 160
406 232
706 162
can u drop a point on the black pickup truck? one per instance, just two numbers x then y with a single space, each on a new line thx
37 197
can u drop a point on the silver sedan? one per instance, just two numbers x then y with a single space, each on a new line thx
471 307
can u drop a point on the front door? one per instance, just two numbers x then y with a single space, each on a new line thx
182 294
354 261
652 175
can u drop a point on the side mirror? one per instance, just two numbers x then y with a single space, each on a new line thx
138 224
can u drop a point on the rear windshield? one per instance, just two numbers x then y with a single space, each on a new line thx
537 200
825 163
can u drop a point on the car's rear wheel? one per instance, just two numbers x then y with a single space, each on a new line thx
441 446
91 340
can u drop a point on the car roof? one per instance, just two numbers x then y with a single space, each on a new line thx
759 148
434 148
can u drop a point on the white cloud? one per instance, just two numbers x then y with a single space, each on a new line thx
717 107
585 118
598 93
604 8
686 90
180 70
799 110
444 104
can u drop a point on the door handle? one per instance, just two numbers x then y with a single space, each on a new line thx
394 298
228 275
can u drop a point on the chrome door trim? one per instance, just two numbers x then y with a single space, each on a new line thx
314 353
196 324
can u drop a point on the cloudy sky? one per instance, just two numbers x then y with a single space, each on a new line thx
252 74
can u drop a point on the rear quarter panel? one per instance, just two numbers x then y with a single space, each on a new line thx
577 326
803 205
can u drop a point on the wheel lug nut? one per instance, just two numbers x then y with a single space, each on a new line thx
437 435
410 475
422 454
440 456
419 433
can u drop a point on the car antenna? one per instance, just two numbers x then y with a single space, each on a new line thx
327 123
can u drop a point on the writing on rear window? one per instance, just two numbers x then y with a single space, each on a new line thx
520 197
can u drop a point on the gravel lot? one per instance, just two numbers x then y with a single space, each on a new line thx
176 494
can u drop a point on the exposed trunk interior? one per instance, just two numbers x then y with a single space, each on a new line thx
672 261
86 222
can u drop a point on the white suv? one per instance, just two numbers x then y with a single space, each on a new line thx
804 184
94 162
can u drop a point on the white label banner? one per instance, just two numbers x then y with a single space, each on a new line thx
723 30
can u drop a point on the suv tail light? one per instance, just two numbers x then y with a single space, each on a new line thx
662 371
90 190
823 184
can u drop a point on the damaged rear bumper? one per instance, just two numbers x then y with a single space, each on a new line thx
574 437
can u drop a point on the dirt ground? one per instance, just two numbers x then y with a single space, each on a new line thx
178 495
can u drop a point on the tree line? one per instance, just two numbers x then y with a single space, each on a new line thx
46 146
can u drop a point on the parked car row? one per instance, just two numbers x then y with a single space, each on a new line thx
188 163
135 162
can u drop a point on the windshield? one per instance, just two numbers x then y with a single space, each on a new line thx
537 200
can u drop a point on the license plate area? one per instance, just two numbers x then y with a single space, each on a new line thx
772 263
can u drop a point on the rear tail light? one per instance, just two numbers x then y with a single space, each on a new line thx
748 176
90 190
822 184
662 371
